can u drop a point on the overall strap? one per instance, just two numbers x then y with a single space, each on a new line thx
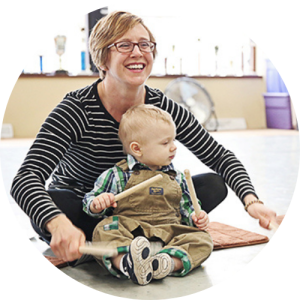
123 165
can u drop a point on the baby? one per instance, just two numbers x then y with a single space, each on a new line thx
155 231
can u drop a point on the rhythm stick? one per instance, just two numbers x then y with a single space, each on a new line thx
192 192
273 226
138 187
98 250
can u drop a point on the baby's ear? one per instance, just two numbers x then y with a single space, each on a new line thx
135 147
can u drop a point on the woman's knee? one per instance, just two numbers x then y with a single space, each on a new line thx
211 189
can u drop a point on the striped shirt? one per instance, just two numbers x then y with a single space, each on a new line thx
79 140
115 179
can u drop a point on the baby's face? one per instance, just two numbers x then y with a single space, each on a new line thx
159 149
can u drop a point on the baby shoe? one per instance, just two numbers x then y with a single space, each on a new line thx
162 265
138 262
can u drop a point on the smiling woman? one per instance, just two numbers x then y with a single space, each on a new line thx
115 28
122 76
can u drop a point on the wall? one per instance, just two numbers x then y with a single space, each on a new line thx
33 97
233 97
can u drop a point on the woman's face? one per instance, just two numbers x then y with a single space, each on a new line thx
131 68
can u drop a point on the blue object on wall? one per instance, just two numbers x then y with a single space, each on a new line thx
82 60
41 64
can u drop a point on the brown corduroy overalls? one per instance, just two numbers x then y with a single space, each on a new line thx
155 214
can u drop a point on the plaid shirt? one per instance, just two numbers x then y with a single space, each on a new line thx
114 181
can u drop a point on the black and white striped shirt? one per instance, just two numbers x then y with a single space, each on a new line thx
79 140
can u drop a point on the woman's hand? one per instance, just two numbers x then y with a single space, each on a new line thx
103 201
202 221
66 238
265 215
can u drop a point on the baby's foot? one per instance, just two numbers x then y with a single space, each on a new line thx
162 265
138 262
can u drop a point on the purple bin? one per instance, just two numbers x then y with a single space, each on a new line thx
278 110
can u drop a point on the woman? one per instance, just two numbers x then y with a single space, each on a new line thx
79 140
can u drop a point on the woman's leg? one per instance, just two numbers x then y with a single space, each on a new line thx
210 189
71 206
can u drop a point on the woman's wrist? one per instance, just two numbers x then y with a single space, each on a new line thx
56 221
251 199
248 198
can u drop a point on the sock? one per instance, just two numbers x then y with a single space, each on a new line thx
173 264
123 266
155 247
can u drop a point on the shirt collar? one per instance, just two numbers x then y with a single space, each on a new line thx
134 164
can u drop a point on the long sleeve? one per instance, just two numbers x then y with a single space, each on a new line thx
57 133
77 142
106 183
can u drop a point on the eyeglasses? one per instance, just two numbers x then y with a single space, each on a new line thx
126 47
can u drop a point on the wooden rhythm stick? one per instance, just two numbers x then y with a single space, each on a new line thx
138 187
98 250
192 192
273 226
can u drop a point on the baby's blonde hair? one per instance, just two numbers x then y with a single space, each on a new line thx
137 120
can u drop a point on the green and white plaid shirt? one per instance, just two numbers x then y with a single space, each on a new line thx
115 179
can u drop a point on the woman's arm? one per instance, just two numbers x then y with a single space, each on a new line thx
194 136
52 142
60 129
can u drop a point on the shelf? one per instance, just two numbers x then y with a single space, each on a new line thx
95 75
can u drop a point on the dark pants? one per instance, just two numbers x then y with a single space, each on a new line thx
210 190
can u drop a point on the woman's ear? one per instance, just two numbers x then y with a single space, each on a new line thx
103 68
136 149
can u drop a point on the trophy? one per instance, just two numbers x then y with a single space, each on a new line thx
60 43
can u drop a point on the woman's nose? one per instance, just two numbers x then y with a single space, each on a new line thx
136 51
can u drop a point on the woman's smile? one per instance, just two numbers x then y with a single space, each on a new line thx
136 67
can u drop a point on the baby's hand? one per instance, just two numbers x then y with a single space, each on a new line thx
103 201
202 221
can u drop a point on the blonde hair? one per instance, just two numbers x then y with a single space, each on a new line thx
107 31
137 120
